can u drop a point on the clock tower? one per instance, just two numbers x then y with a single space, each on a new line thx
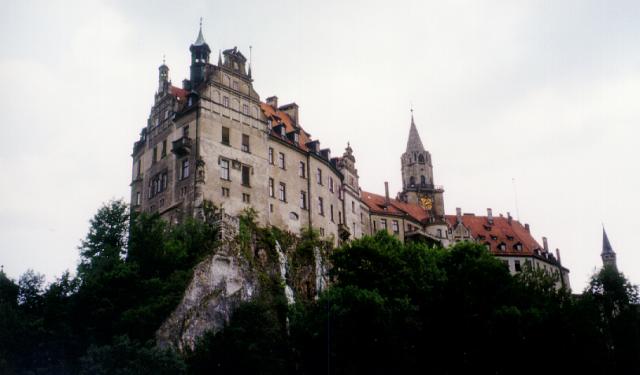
417 177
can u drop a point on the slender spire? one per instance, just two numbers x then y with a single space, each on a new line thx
200 40
608 255
219 57
414 143
250 50
606 245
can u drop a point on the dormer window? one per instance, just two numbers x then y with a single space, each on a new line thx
282 131
502 246
296 138
487 227
518 246
236 86
494 238
510 238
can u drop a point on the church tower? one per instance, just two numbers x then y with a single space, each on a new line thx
608 255
417 177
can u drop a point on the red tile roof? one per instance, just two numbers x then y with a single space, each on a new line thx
177 92
278 117
503 230
376 204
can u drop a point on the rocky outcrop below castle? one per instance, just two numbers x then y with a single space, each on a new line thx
235 272
219 283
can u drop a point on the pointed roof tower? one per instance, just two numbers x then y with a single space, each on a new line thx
200 40
608 255
414 143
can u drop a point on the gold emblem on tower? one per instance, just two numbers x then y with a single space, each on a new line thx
426 203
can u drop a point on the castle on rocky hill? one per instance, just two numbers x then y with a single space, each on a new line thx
214 140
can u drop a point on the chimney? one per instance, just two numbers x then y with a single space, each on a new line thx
458 215
386 194
545 244
291 109
509 218
526 227
490 215
558 255
273 101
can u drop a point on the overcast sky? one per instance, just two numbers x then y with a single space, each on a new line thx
543 92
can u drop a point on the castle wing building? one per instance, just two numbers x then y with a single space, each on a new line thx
212 142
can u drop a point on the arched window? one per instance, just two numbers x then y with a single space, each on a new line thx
423 180
421 158
412 181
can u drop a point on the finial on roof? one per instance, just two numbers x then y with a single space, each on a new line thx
219 57
200 40
163 59
250 50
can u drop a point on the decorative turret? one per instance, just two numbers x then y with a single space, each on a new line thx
163 77
608 255
347 166
199 59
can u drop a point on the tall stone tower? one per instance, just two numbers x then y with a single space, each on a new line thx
417 177
608 255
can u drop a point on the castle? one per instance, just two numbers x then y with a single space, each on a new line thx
214 140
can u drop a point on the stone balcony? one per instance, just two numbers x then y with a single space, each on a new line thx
182 146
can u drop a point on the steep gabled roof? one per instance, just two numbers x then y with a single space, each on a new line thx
279 117
376 204
503 230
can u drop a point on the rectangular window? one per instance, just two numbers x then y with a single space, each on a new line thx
138 168
246 198
225 135
395 227
375 226
138 198
281 163
164 181
322 232
225 101
383 224
339 217
245 175
235 85
331 184
270 155
353 207
245 143
331 213
516 264
303 200
271 188
184 171
439 233
225 192
319 176
155 153
163 153
302 172
224 170
282 192
321 206
245 109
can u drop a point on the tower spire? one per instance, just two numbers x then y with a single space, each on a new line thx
414 143
608 255
200 40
